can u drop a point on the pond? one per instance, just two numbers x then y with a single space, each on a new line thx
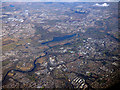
57 39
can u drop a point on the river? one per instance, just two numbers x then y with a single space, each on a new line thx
25 71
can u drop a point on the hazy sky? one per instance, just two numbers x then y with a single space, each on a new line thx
60 0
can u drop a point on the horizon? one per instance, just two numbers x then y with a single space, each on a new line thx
60 1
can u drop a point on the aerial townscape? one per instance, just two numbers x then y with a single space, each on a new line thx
60 45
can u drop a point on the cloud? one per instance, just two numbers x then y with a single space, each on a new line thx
101 5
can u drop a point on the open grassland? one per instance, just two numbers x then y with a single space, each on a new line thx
13 45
